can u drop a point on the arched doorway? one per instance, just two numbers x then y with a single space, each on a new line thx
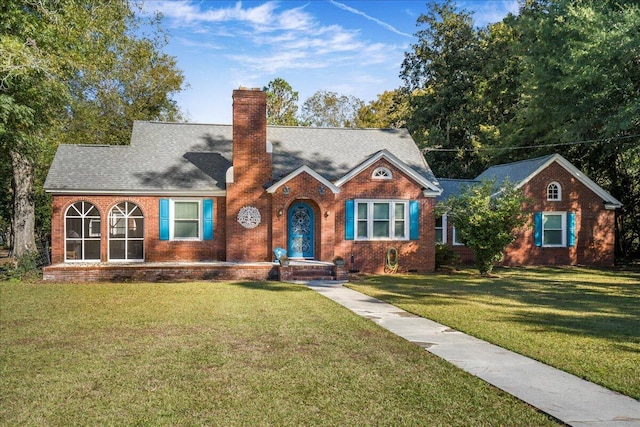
300 229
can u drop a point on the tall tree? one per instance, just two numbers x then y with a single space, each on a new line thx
329 109
282 103
72 69
438 71
389 111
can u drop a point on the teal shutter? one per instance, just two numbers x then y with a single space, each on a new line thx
207 219
414 219
349 233
164 219
571 229
537 228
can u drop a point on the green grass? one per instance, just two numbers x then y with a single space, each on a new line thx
222 354
583 321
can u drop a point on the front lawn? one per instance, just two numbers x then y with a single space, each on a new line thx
583 321
222 354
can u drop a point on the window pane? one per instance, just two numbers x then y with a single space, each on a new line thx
439 235
552 237
117 228
399 211
116 249
74 227
183 229
362 211
74 249
135 249
439 222
362 229
552 222
186 210
92 249
136 227
399 231
380 229
381 211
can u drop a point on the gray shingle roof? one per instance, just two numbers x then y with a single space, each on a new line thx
516 172
453 187
173 157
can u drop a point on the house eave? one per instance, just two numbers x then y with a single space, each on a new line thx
303 169
428 186
159 192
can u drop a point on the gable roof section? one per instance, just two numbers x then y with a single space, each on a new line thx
334 152
300 170
519 173
192 159
429 187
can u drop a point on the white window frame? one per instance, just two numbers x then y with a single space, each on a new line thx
126 239
454 237
81 240
563 229
444 230
172 219
392 220
557 190
382 173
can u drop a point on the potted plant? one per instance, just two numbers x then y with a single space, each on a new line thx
338 261
284 261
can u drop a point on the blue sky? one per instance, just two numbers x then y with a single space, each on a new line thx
350 47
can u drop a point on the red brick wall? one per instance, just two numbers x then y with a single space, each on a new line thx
414 255
251 171
155 250
595 236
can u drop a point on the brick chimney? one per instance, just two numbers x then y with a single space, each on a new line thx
252 169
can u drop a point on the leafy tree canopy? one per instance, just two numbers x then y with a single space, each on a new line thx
282 102
329 109
486 219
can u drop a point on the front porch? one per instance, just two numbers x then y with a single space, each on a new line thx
182 271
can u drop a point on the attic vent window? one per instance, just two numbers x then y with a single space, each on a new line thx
554 192
381 173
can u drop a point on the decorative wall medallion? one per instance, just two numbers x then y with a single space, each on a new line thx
249 217
286 190
322 190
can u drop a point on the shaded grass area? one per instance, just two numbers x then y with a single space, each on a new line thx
583 321
222 354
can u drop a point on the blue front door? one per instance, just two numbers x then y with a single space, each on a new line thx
300 218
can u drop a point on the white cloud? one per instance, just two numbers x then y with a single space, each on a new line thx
377 21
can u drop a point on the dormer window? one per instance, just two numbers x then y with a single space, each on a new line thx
554 192
381 173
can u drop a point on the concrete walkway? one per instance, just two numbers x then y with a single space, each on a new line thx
566 397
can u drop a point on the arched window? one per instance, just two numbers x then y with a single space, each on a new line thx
82 232
126 232
554 191
381 173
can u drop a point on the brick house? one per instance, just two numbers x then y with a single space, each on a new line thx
572 219
230 195
206 193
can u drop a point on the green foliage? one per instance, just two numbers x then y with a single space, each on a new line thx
389 111
330 109
72 72
25 267
445 255
281 103
486 217
562 76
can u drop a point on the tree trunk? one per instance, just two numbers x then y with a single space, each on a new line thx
23 205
